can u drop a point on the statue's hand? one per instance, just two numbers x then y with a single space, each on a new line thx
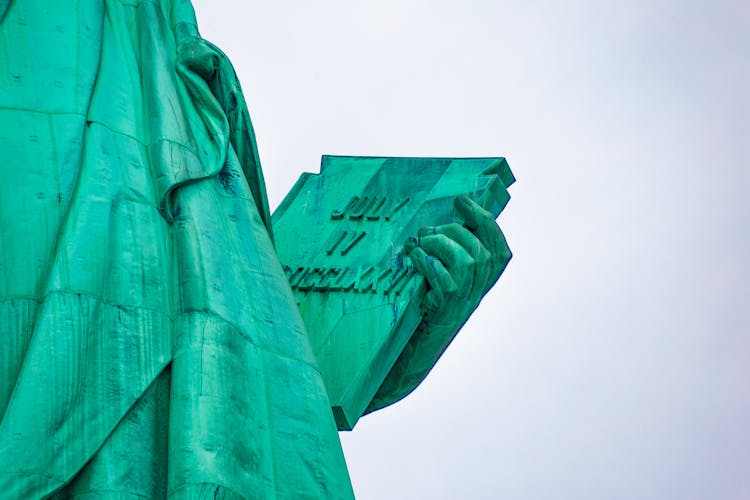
460 264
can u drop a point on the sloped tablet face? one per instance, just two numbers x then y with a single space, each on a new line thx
340 235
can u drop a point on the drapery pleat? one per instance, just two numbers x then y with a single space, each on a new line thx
150 344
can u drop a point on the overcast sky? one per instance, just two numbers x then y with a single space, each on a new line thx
612 360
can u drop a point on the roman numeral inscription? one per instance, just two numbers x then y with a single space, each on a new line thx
364 279
344 240
357 209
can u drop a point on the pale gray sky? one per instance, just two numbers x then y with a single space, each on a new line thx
612 360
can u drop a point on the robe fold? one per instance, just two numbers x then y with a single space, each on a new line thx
150 344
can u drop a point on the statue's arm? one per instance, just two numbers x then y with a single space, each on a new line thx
460 262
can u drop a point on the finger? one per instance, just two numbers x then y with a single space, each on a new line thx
438 278
457 232
478 220
482 257
427 231
483 224
454 257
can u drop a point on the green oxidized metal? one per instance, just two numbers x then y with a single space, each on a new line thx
151 345
358 294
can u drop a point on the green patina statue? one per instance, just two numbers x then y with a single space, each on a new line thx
162 335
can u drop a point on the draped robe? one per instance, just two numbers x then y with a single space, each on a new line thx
150 345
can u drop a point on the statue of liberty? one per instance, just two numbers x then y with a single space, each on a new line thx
151 345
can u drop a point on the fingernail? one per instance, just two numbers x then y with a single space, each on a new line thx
426 231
